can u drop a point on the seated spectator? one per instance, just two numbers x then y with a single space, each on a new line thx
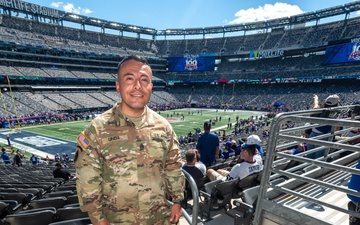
65 158
251 163
354 204
234 147
17 159
228 151
195 168
5 156
241 142
59 172
252 140
34 159
301 147
57 157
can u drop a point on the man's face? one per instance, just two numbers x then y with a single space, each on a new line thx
134 85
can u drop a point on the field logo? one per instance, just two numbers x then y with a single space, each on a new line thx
355 54
40 141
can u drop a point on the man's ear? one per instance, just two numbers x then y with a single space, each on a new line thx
117 85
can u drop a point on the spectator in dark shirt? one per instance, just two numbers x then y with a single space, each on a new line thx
196 169
208 146
17 159
59 172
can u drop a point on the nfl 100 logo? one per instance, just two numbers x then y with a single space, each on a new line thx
355 53
191 63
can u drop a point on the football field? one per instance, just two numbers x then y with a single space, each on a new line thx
61 137
193 118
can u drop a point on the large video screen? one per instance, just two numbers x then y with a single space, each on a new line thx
191 62
343 53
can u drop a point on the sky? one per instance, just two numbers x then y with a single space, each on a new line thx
165 14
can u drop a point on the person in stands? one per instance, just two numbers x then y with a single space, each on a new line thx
5 157
250 164
208 146
196 169
60 172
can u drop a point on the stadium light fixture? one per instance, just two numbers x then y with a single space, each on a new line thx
74 16
115 24
134 27
95 20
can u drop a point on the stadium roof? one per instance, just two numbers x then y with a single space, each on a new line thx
58 16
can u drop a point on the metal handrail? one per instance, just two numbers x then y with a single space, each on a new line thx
267 206
195 193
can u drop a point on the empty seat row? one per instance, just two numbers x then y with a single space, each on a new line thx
45 216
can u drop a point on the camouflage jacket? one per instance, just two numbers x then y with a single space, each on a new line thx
125 172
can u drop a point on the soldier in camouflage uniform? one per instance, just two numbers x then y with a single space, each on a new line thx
128 159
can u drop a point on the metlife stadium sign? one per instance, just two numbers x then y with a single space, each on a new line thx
31 8
266 54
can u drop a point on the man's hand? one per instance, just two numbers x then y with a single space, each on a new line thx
104 222
175 213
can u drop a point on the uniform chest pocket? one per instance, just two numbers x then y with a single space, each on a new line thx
158 144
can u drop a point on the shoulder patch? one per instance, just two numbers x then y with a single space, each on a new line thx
83 141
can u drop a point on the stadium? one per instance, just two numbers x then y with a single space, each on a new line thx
54 79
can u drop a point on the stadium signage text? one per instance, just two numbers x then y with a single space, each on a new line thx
31 8
270 53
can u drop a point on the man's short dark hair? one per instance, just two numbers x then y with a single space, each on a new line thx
133 57
251 149
207 125
190 155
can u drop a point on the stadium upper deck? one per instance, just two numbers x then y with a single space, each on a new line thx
40 55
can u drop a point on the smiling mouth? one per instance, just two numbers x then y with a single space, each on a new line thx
137 95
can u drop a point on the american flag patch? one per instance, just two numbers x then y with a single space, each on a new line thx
83 141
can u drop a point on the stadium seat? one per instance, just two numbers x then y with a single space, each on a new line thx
57 202
37 192
65 188
37 210
5 210
72 205
219 197
247 182
44 217
81 221
21 198
8 190
13 204
72 199
245 209
58 193
69 213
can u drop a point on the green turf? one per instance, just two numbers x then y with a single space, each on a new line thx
193 118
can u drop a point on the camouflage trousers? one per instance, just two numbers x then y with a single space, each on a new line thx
354 207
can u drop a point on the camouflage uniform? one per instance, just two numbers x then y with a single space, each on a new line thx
125 172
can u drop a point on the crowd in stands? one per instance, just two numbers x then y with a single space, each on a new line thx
239 149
